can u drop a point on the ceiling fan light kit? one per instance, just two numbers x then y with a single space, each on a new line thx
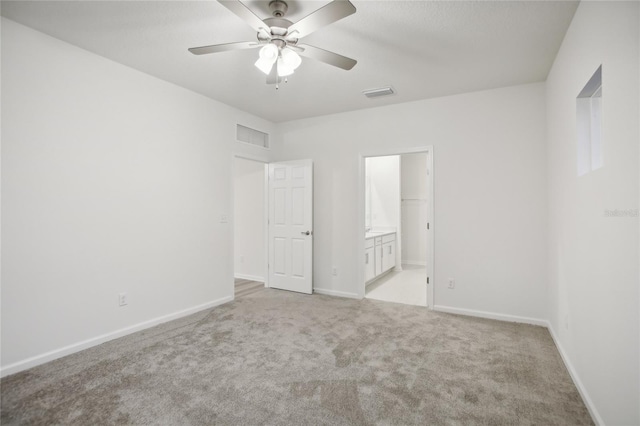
287 60
290 58
284 70
279 38
267 57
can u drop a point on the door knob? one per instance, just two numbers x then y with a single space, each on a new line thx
306 233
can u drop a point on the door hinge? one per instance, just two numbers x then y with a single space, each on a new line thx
427 280
427 226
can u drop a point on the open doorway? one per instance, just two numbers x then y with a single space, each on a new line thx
249 251
398 250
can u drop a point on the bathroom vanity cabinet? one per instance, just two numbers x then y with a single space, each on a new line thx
380 254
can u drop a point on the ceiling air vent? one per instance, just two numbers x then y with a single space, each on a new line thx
252 136
382 91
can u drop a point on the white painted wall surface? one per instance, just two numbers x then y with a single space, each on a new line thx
248 219
384 173
413 188
490 192
112 181
414 175
593 275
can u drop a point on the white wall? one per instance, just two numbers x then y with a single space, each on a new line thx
413 186
414 175
593 274
490 192
248 219
115 181
384 173
112 181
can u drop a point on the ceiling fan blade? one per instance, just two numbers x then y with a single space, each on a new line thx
327 57
273 78
326 15
295 48
245 14
215 48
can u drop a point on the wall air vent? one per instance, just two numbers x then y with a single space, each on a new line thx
382 91
252 136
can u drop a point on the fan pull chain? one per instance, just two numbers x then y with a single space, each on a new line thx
286 80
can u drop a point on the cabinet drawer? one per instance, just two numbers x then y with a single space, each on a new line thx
378 240
388 238
368 243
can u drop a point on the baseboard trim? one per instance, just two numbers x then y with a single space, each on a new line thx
249 277
595 416
337 293
414 262
34 361
490 315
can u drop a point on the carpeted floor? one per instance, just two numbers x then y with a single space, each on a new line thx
280 358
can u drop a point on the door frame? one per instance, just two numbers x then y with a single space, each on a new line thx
265 218
359 234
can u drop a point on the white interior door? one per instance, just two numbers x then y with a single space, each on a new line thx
291 226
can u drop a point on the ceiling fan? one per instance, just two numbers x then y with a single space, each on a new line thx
279 38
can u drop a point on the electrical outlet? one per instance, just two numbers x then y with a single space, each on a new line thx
241 259
334 271
123 299
451 283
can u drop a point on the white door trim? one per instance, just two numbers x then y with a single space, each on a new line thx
359 232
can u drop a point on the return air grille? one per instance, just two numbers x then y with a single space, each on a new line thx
252 136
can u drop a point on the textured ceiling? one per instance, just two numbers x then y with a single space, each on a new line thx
423 49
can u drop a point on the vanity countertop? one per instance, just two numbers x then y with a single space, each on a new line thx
374 234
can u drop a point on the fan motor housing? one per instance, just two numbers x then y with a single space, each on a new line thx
278 23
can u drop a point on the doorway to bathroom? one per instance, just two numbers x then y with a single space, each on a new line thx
398 213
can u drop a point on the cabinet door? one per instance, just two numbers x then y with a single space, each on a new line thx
369 264
388 256
378 259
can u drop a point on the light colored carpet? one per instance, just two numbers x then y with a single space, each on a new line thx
280 358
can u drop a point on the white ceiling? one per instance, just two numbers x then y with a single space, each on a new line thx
423 49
